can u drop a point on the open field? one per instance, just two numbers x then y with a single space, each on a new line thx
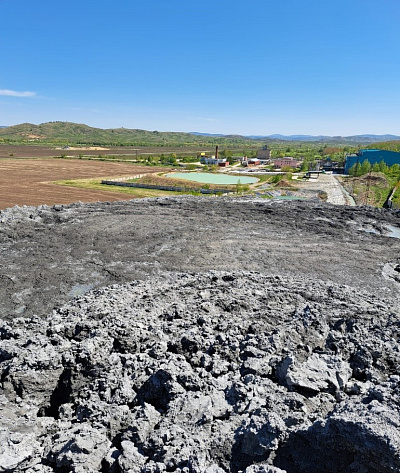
32 151
31 181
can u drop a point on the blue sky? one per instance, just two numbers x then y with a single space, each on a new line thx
245 67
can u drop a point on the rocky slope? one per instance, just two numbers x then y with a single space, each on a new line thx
270 362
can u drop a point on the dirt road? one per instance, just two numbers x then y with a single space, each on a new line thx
327 182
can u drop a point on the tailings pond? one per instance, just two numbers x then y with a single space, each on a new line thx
209 178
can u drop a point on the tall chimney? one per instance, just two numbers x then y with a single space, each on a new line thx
216 152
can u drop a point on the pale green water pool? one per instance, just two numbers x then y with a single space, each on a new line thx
209 178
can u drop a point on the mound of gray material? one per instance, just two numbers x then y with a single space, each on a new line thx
50 255
197 335
213 372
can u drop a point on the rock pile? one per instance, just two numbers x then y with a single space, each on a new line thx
204 372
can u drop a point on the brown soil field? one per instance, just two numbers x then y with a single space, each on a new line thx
30 181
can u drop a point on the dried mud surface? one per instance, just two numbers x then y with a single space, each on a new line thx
200 335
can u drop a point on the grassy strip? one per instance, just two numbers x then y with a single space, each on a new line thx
95 184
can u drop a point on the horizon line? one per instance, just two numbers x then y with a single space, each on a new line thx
249 135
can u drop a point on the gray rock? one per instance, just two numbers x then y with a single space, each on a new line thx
15 449
131 460
319 372
79 449
200 371
264 433
263 469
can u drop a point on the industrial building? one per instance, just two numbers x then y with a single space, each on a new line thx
264 153
286 161
373 156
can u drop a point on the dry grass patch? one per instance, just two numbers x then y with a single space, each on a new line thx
95 184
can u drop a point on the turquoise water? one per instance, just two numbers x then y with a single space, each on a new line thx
208 178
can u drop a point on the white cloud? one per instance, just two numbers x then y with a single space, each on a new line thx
13 93
208 119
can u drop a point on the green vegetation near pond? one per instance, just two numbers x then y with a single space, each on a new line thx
95 184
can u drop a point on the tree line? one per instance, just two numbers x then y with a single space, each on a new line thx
360 169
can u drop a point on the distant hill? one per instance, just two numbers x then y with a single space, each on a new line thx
355 139
388 145
298 137
67 133
371 138
324 138
205 134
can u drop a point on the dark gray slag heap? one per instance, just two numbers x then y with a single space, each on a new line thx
213 372
256 337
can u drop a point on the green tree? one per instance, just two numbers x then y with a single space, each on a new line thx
171 159
365 167
394 170
225 153
304 166
355 170
383 167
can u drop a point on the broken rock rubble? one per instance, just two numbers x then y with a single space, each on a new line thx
204 372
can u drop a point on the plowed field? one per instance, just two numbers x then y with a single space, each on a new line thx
31 181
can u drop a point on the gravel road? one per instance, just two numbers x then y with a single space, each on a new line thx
329 183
